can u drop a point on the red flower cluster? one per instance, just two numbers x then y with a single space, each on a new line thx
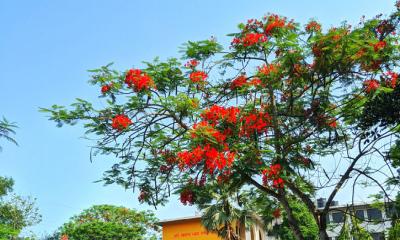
239 82
138 80
379 46
198 76
64 237
121 122
274 22
216 113
255 123
212 149
192 63
187 197
371 85
268 69
212 158
242 81
278 183
250 39
273 173
393 78
105 88
313 26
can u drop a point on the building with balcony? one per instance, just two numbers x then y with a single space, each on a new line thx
372 219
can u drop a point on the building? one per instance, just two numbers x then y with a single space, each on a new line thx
372 219
190 228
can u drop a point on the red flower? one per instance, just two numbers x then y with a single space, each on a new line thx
278 183
393 78
313 26
371 85
255 123
274 23
239 82
105 89
332 123
187 197
255 82
273 173
236 41
268 69
121 122
274 170
210 156
276 213
253 38
192 63
216 113
138 80
198 76
379 46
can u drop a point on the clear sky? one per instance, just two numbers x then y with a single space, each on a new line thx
46 48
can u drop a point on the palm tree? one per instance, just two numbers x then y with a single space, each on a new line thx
224 212
6 129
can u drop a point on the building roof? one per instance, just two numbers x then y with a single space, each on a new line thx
355 205
166 221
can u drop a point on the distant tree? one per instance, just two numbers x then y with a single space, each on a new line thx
16 212
107 222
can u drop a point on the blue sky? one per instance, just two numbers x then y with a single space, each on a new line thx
46 48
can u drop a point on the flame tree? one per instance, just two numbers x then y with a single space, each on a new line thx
283 112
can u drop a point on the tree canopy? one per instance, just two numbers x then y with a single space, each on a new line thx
107 222
284 111
16 212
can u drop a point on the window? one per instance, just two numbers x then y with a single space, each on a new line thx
374 214
360 215
337 217
378 236
391 211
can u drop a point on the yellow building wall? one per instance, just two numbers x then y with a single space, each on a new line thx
190 229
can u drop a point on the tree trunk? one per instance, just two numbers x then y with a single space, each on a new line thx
323 235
